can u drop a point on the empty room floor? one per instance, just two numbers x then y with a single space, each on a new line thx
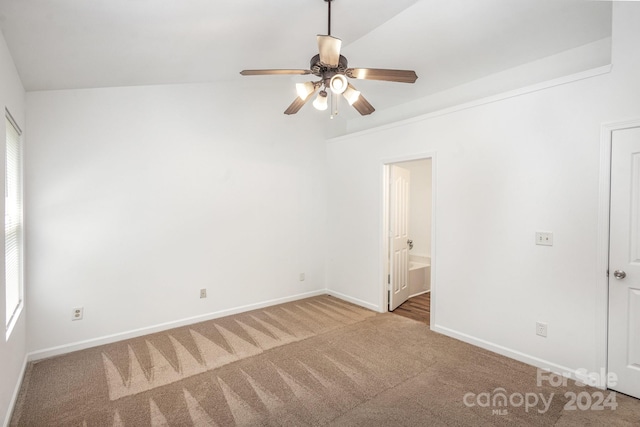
317 361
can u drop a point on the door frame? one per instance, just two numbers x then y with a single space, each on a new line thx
384 228
601 318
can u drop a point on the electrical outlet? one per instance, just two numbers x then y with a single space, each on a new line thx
302 277
203 293
77 313
541 329
544 238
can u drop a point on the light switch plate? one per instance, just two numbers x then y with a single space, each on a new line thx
544 238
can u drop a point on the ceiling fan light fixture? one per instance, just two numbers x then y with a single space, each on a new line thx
351 95
321 103
305 89
338 84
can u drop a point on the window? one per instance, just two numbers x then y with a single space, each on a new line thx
13 222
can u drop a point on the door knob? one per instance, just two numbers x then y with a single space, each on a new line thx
619 274
410 243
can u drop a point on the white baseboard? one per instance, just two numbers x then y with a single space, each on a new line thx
574 374
108 339
16 391
352 300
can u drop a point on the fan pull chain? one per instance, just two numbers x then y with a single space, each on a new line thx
334 105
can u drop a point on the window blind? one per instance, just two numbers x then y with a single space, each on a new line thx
13 220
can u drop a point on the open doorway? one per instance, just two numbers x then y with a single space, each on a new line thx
407 232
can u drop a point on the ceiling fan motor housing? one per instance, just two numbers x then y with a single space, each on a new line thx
325 71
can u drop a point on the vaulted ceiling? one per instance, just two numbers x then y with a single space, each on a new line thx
67 44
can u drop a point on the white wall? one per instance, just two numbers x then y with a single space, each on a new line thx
589 56
503 170
140 196
420 206
12 351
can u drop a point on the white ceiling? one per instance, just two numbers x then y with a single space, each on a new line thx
66 44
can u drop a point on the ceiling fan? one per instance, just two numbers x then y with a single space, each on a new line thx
334 72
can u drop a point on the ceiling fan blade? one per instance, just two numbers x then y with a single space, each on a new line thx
361 104
274 72
402 76
329 49
298 103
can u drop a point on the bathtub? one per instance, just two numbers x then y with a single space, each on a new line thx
419 274
415 265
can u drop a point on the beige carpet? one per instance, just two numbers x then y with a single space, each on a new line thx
318 361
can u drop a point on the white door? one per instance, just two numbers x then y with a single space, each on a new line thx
399 236
624 263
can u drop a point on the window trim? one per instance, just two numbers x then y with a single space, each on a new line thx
20 306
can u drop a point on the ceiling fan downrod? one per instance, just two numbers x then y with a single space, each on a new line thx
329 20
